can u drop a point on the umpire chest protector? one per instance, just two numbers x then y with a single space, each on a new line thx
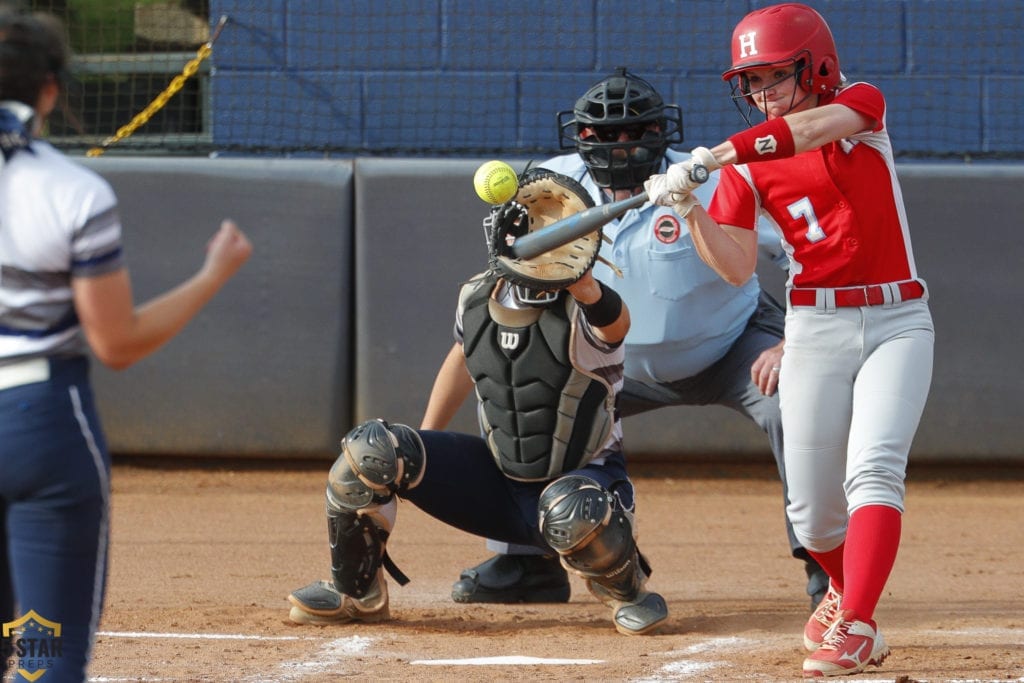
541 416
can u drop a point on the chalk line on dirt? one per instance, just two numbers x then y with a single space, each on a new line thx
198 636
327 659
509 660
331 657
681 669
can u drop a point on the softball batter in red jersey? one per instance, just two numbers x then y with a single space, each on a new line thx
861 190
857 365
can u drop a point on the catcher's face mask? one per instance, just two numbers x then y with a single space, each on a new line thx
534 297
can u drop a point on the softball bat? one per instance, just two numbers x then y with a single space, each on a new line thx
587 221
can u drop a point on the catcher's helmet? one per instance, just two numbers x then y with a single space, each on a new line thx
621 103
783 35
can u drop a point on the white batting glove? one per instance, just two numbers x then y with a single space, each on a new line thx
704 156
658 190
675 181
684 203
681 179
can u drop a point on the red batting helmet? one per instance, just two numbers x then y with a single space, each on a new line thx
789 33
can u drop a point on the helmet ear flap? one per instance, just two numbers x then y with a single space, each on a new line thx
826 68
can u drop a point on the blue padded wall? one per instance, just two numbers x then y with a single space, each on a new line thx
466 78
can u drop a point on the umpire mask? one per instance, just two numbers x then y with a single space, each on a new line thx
621 128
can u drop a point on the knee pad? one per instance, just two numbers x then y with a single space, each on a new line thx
377 461
580 520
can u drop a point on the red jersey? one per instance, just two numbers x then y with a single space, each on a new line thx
839 207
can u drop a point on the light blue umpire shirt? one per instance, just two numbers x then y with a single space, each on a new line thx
685 317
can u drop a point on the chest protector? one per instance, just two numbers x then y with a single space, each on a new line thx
541 416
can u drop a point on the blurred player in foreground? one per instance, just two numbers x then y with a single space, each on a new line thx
64 289
859 336
549 470
695 339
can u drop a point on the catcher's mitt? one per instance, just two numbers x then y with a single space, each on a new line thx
543 198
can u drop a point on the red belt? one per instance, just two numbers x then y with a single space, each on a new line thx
868 295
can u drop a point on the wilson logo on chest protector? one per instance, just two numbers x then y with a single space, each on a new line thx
508 340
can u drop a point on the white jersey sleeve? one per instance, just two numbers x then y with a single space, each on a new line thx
59 221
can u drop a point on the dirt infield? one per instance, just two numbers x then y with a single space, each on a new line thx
204 554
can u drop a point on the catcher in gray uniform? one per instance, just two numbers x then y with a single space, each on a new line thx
542 341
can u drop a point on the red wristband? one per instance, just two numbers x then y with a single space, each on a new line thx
766 141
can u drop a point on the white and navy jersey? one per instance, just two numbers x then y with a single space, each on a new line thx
58 221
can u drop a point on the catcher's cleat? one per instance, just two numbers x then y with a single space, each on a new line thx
635 617
821 619
817 583
511 579
321 603
849 647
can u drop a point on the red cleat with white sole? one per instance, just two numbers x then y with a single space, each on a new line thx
821 619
